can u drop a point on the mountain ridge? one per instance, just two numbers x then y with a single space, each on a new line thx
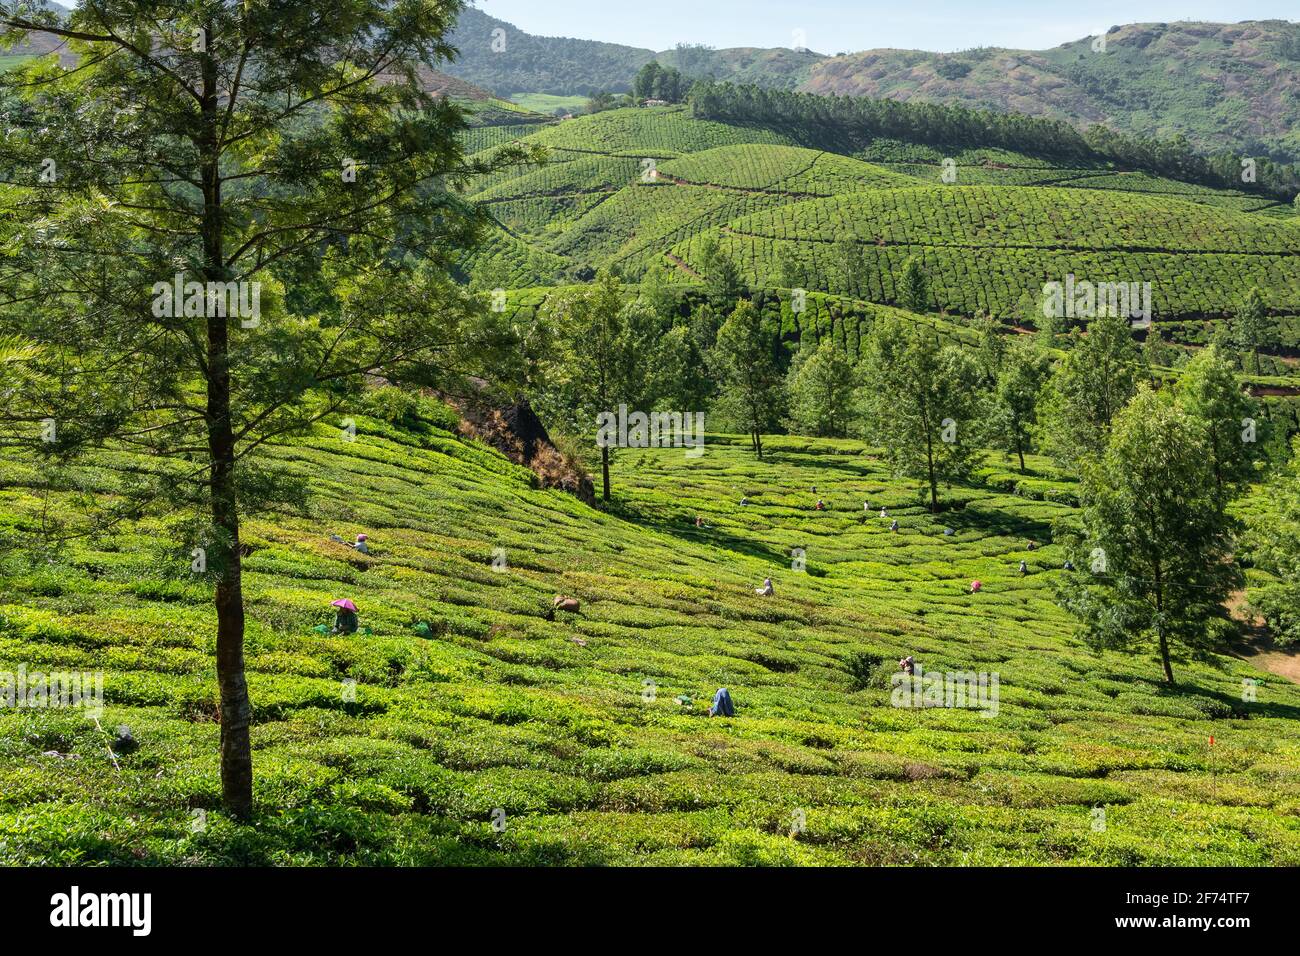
1222 86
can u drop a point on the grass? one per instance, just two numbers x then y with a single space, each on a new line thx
553 722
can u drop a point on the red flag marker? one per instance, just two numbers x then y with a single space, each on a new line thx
1211 741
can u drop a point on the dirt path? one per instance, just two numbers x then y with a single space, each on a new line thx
1257 649
681 265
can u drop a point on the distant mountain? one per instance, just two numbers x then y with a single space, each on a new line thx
501 58
1223 86
496 55
1234 86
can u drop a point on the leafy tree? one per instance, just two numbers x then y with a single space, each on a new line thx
1273 544
1157 352
643 87
923 404
600 101
991 350
676 376
791 275
821 385
914 288
1049 329
244 148
655 81
752 386
659 295
1252 329
599 361
1160 554
1090 386
705 323
1208 390
1016 392
1222 339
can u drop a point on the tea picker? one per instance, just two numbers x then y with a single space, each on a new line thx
345 617
722 706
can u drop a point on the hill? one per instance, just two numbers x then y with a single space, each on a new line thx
1223 86
397 747
639 188
497 55
649 191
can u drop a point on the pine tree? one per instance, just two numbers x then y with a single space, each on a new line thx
752 386
914 291
289 174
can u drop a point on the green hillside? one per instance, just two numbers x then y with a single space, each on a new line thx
993 244
638 188
1222 85
497 55
327 340
571 726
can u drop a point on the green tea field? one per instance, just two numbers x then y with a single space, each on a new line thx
496 735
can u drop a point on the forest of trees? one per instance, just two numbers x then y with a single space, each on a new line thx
1092 403
655 82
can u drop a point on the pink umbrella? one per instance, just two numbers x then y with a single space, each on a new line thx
345 604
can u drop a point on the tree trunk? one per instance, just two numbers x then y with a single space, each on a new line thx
929 464
1160 627
1164 655
236 711
1020 451
604 472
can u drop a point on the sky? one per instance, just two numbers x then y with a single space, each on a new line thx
834 26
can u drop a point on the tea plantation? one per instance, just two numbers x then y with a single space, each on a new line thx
645 188
469 724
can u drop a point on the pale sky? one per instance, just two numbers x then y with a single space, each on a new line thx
833 26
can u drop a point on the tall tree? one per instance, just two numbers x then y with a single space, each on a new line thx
852 265
821 385
722 277
1095 380
1161 564
1273 545
1014 403
991 351
601 359
923 403
1252 329
1209 391
231 214
751 383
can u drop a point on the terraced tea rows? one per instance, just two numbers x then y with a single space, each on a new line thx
992 249
635 188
